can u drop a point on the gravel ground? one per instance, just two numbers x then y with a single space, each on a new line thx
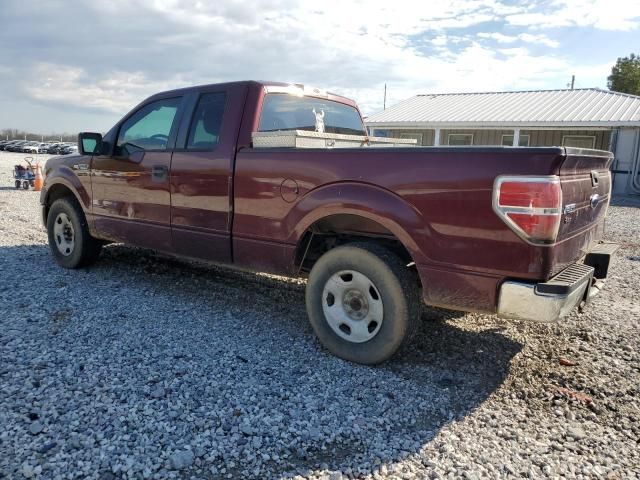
148 367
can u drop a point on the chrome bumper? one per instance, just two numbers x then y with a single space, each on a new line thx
552 300
524 301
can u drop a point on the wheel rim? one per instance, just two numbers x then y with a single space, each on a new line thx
63 234
352 306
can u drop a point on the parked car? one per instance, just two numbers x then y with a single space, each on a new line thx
54 148
204 172
43 147
30 147
68 149
9 144
17 147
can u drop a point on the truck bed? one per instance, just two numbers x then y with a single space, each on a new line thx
436 200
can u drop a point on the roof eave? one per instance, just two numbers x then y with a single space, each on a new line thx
498 125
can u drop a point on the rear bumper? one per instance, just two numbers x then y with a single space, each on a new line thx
552 300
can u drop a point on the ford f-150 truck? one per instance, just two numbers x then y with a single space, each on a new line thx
376 229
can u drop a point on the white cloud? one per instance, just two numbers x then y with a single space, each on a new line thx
524 37
600 14
120 51
543 39
70 85
499 37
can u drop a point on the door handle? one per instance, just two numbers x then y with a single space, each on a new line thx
159 173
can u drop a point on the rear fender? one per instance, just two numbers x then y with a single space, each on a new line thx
365 200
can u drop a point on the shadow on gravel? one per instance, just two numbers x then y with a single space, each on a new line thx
345 416
625 201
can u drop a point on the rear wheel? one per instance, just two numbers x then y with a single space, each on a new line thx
363 302
17 183
25 184
69 240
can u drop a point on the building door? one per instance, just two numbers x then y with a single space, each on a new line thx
626 166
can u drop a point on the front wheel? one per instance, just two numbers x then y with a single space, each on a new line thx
70 242
363 302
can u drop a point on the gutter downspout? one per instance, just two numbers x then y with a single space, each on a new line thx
516 137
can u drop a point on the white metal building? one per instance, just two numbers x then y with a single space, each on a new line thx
586 118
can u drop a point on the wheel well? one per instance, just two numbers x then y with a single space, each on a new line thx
335 230
54 193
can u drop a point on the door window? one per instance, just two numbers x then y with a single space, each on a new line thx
204 131
149 128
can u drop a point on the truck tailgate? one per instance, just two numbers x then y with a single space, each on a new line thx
586 189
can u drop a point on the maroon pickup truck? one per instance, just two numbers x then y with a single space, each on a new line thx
375 228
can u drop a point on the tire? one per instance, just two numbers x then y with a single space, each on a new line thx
25 185
363 302
69 240
17 184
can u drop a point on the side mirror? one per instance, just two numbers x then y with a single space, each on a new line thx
89 143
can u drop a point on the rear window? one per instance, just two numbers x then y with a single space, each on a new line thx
289 112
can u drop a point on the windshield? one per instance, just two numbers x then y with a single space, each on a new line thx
282 111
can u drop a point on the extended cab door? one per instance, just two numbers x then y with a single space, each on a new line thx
130 182
202 173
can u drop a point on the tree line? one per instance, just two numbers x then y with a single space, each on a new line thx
17 134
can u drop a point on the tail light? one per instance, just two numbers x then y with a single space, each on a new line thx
530 206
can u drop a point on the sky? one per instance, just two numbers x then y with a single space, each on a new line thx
69 65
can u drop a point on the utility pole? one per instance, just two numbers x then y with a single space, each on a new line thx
573 81
384 102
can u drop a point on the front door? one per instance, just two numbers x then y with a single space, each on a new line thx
131 196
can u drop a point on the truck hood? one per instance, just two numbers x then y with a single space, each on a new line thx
59 161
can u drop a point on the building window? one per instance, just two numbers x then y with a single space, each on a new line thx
374 132
416 136
507 141
579 141
460 139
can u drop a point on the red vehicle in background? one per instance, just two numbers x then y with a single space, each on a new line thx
221 173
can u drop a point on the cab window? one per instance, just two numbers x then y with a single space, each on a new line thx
204 131
148 128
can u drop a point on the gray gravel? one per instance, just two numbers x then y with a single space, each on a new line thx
149 367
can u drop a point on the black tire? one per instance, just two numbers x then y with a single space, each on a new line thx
25 185
17 184
86 249
394 283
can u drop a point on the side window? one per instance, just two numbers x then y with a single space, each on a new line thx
148 128
204 131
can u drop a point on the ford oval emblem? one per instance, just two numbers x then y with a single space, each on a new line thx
594 200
